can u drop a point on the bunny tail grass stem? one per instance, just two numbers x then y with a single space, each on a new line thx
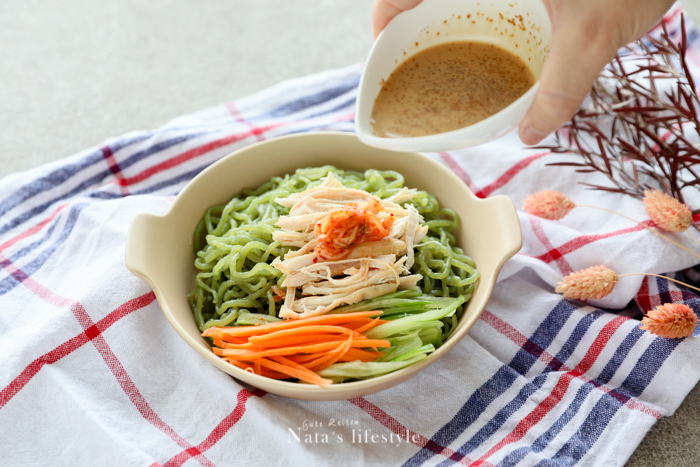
659 276
645 226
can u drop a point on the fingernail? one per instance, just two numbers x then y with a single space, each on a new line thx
530 136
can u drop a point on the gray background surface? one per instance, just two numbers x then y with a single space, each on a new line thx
76 72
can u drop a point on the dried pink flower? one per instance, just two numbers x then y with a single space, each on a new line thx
667 212
593 282
548 204
672 321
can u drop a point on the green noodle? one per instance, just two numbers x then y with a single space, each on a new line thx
234 247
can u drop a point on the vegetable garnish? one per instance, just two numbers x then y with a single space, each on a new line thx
336 347
245 331
299 348
348 225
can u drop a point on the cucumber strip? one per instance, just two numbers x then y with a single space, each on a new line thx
251 319
424 349
402 346
407 323
361 370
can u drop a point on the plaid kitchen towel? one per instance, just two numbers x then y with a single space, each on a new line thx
92 373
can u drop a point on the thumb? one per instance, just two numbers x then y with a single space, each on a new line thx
573 64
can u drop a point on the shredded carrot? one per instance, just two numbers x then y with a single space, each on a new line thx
299 339
222 343
249 355
234 340
364 325
281 342
303 358
352 354
314 329
244 331
261 371
330 358
360 322
288 367
320 359
362 355
376 321
299 348
334 357
237 363
247 345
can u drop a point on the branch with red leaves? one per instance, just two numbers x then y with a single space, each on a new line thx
639 126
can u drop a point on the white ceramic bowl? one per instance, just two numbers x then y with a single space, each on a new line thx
521 27
159 248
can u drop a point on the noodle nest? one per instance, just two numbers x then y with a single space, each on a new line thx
234 247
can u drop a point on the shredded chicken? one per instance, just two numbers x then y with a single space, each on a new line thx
352 246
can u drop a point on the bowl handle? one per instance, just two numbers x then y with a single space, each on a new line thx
507 216
137 240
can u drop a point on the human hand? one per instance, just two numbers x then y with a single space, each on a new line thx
585 37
